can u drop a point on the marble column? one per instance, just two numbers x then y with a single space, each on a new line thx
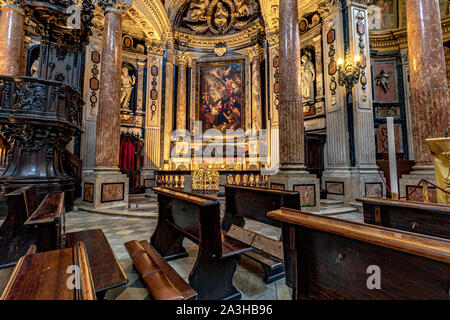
429 97
256 54
168 103
182 61
293 174
108 118
292 148
107 187
11 37
428 80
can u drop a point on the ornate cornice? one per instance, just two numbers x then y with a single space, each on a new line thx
233 40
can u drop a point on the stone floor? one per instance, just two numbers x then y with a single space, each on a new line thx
124 225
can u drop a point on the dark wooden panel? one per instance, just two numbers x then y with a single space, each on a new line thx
183 215
418 217
327 258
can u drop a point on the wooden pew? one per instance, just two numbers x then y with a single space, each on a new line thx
418 217
107 273
45 276
328 258
184 215
163 282
27 223
253 203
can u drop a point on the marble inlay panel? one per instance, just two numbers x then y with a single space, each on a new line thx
374 189
88 192
112 192
418 194
335 187
307 195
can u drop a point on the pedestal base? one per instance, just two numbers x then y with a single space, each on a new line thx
409 181
105 189
148 179
347 184
299 180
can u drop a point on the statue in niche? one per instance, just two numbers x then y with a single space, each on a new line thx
308 75
128 82
34 69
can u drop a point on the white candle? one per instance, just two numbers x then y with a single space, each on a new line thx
392 157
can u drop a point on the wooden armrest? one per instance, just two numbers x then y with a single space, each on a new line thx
51 208
31 249
29 282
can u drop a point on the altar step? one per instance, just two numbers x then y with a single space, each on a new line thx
331 203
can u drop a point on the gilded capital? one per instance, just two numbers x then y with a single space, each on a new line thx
182 58
256 52
120 6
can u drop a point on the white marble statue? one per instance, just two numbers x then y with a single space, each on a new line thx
308 75
128 82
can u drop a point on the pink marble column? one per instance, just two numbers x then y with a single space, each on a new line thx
429 96
290 112
255 58
182 61
11 39
108 118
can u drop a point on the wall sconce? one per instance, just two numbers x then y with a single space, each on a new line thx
349 71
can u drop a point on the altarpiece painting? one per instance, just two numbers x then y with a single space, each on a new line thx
221 95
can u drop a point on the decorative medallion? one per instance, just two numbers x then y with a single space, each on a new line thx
154 94
154 71
127 42
303 25
95 57
332 68
220 49
360 27
275 62
331 36
94 84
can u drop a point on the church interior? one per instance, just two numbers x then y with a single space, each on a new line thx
224 149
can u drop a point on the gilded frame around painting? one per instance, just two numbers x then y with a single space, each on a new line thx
235 91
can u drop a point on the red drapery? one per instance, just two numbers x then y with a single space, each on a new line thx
126 158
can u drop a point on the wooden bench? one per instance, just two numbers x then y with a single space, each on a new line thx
27 223
107 273
184 215
328 258
45 276
163 282
253 203
418 217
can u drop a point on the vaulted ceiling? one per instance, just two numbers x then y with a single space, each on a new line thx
151 19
